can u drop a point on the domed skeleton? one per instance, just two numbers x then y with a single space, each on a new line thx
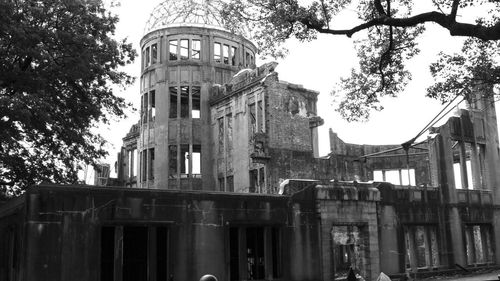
198 12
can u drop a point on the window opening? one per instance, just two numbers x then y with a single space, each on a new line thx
173 102
253 181
478 244
230 183
151 174
422 245
154 53
234 254
172 161
196 161
132 165
147 57
184 160
144 108
225 53
217 55
136 261
259 117
152 105
195 97
184 49
144 165
262 179
107 252
184 101
221 183
233 55
255 253
252 254
247 59
252 120
143 59
173 49
161 253
378 176
220 122
347 249
195 49
229 134
135 253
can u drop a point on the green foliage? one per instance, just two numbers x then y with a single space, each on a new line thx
58 61
388 30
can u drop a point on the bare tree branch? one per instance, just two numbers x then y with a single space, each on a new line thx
447 21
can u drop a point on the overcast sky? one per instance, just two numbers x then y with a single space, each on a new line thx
317 65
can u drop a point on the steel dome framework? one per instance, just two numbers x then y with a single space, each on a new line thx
202 12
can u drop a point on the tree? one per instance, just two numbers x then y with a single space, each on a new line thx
58 62
388 32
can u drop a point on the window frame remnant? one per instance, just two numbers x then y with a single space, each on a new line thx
173 109
184 49
422 247
134 252
195 102
217 52
196 49
479 244
255 252
173 49
154 53
234 51
225 53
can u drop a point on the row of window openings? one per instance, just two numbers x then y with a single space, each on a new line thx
396 176
254 253
180 98
150 55
185 49
468 165
192 160
148 107
422 249
256 125
191 49
187 161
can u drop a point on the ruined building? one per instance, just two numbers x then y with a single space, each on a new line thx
222 175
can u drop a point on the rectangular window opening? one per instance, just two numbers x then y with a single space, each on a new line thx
195 49
247 59
154 53
234 51
260 118
252 120
107 252
135 253
173 102
184 101
230 183
217 54
151 174
185 160
172 161
225 53
152 105
143 252
148 61
184 49
196 107
173 49
196 161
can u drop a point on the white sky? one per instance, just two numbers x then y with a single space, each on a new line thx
316 65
